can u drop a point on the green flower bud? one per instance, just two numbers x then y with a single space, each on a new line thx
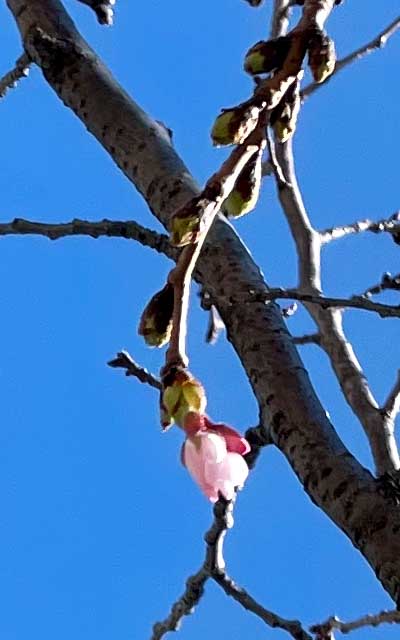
182 394
265 56
185 229
243 197
284 116
156 321
321 56
233 126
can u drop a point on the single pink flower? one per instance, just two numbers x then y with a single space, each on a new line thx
213 455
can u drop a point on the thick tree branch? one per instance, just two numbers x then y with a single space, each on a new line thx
290 411
10 79
377 43
104 228
391 407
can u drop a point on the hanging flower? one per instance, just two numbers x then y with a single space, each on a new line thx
213 455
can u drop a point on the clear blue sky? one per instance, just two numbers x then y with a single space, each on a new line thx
100 525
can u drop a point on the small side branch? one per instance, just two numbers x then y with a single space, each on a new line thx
125 361
386 225
387 283
10 79
325 630
326 302
103 10
105 228
377 43
391 408
310 338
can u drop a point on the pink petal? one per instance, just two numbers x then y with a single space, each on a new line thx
233 439
227 475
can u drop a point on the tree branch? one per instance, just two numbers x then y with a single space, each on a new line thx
10 79
387 283
125 361
290 410
377 43
391 407
313 338
389 225
325 630
103 10
325 302
108 228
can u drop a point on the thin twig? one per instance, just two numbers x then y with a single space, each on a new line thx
217 189
386 225
293 627
391 407
377 43
104 228
326 302
387 283
103 10
311 338
326 628
125 361
10 79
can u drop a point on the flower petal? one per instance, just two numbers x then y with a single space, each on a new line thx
233 439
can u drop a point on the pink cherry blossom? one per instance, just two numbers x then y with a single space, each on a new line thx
213 455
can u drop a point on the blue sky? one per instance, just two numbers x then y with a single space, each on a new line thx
100 525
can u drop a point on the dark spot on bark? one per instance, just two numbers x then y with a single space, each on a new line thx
84 115
340 489
120 131
151 188
379 525
357 536
174 192
125 164
270 398
134 171
277 419
326 472
324 496
396 528
112 149
82 103
141 146
292 449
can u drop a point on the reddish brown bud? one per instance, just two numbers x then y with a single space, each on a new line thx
156 321
284 116
321 56
265 56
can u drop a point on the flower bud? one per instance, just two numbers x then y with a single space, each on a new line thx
284 116
321 56
182 394
254 3
243 197
233 126
265 56
156 321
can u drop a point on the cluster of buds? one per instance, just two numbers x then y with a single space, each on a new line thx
212 452
186 225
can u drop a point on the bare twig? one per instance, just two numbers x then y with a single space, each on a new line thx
312 338
326 629
387 283
377 43
125 361
325 302
103 10
389 225
293 627
104 228
214 567
391 407
217 189
329 320
10 79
